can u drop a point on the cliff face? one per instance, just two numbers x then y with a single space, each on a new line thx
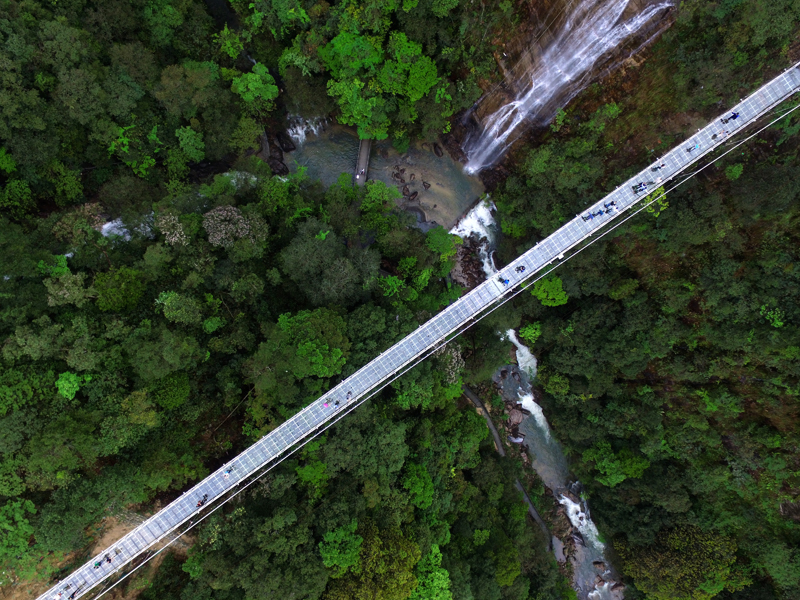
541 23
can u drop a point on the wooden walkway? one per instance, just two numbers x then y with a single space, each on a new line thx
362 166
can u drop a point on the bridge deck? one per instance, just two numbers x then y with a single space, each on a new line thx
362 165
385 367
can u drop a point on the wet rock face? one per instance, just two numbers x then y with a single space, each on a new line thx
276 152
285 142
452 144
468 271
493 177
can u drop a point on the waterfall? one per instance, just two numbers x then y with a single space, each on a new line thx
298 127
480 223
525 358
590 32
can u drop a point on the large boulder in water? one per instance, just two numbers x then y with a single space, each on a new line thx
286 143
276 152
437 150
413 196
405 191
278 168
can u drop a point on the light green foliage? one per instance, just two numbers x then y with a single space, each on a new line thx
434 581
733 172
419 484
57 269
385 570
683 564
68 384
180 308
507 565
229 42
257 89
348 54
191 143
558 122
774 316
314 472
371 82
656 201
623 289
553 383
377 205
480 536
319 341
7 162
340 549
367 113
211 324
67 183
391 285
549 291
614 467
443 243
119 289
531 332
15 531
163 17
245 134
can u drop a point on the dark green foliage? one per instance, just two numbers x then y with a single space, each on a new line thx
683 563
130 368
119 289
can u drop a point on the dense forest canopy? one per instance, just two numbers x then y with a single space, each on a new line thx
133 364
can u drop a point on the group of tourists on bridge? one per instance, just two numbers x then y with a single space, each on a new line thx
609 207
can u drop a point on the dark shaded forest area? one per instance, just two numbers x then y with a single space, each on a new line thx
134 364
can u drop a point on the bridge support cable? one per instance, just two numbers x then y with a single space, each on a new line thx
246 468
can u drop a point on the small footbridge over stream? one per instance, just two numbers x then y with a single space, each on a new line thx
221 485
362 164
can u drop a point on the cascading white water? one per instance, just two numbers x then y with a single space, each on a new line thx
480 222
525 358
589 33
298 127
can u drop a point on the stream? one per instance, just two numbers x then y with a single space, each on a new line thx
327 150
593 577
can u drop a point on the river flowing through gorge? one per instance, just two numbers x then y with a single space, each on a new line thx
591 31
593 577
